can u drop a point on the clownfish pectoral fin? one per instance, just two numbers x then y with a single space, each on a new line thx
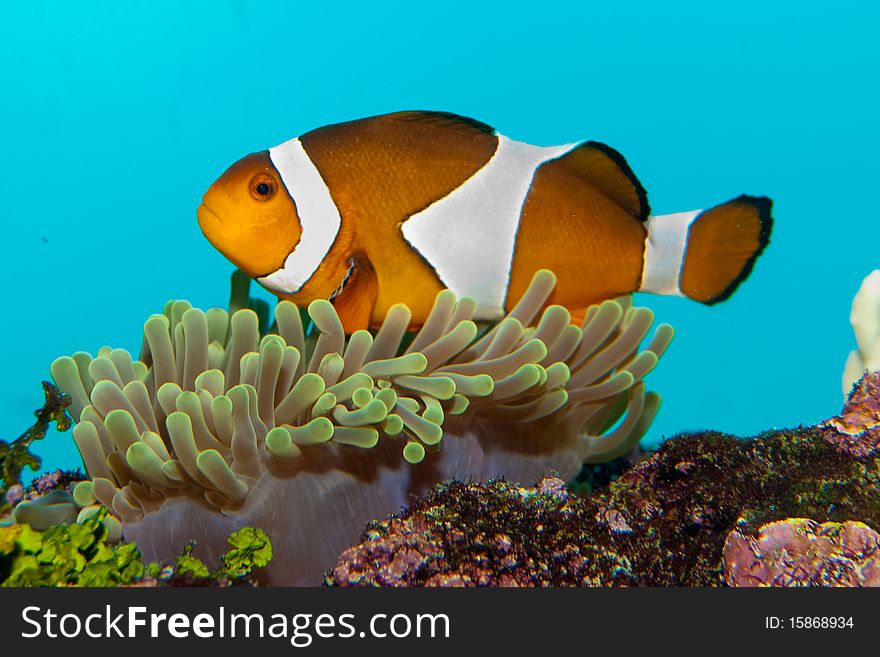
607 170
578 315
705 255
355 303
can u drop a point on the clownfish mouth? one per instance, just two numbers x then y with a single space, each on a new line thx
208 221
352 265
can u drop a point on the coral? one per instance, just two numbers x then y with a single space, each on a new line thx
677 507
46 483
15 456
800 552
865 320
53 480
664 522
857 429
80 555
496 534
216 426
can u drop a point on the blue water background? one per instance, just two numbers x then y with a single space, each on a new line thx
117 116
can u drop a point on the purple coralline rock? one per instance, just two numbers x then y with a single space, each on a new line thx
801 552
41 486
48 482
494 534
674 519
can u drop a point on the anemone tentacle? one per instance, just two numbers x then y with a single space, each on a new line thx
217 425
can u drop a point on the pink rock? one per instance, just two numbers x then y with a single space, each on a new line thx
801 552
856 430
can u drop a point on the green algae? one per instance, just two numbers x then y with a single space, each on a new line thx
80 555
250 549
66 555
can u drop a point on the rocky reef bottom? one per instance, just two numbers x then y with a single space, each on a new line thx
786 508
795 507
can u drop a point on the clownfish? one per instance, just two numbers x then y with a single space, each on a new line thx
394 208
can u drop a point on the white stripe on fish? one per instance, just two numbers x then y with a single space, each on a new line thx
318 216
664 252
481 216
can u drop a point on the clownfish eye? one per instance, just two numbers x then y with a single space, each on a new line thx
263 187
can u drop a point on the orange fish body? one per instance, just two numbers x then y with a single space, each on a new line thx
394 208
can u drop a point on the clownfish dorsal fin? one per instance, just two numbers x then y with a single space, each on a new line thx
446 120
606 170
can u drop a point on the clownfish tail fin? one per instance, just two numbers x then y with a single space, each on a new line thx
705 255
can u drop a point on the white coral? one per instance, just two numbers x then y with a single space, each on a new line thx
865 320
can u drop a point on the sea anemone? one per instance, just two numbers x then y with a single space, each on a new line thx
217 427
